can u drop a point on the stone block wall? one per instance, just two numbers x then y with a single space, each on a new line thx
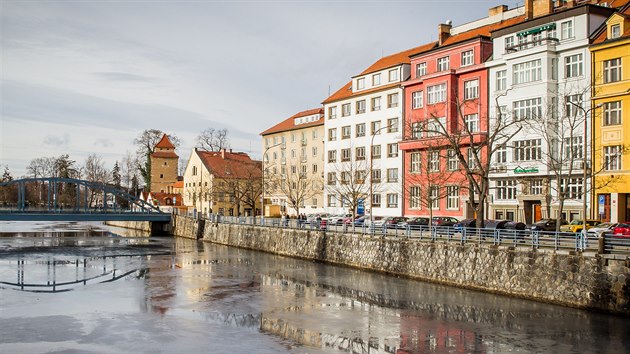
135 225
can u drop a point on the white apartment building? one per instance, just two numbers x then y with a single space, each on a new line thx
541 69
363 124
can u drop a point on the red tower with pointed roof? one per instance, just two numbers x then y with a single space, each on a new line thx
164 162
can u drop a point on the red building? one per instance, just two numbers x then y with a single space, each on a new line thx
446 106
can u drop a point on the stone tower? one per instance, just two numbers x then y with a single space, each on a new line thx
164 162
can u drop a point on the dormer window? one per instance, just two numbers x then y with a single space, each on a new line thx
376 79
360 83
615 31
393 75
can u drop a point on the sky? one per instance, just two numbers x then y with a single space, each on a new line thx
83 77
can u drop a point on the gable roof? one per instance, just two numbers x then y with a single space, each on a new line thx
228 164
165 143
601 35
289 124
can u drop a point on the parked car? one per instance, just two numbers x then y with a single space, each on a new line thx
496 224
622 230
515 225
338 219
391 222
415 222
466 223
359 221
600 229
546 225
310 219
576 225
444 221
375 221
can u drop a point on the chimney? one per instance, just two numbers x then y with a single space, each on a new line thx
497 10
223 154
444 31
529 9
543 7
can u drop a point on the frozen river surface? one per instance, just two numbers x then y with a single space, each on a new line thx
88 288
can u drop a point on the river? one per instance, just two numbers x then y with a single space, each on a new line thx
90 288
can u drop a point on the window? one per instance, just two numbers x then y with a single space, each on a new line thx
421 69
345 109
566 30
360 153
417 99
434 161
472 122
527 150
573 65
415 165
471 89
612 70
574 147
436 93
536 37
612 113
332 201
392 100
314 150
376 151
332 178
505 189
345 154
436 127
393 75
443 63
376 200
376 103
293 169
314 168
360 106
527 109
468 58
332 134
392 125
392 150
501 80
314 134
452 197
376 176
414 197
392 175
360 128
332 155
615 31
392 200
452 160
360 83
345 132
376 127
435 197
376 79
416 130
554 68
293 153
527 72
572 104
501 154
359 176
346 177
472 158
571 187
612 158
536 187
509 42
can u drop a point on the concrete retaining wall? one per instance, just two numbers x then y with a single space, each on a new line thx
136 225
591 282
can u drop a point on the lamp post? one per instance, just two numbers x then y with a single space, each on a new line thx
374 133
262 215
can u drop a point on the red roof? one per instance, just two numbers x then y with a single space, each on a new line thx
481 31
178 184
603 36
165 143
289 123
230 164
161 198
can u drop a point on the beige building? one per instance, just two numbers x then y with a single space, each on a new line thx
164 162
293 163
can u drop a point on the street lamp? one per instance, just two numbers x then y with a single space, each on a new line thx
262 215
371 167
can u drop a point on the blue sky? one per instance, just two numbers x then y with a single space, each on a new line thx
81 77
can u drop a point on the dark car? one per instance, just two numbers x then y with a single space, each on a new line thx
415 222
546 225
393 221
444 221
466 223
495 224
622 230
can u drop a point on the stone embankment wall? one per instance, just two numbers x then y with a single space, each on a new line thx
577 280
136 225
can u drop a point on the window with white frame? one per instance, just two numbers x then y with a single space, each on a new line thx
314 169
505 189
376 127
332 200
345 109
572 104
527 150
392 150
414 197
612 158
360 129
501 77
472 158
573 65
332 178
360 106
612 70
528 71
501 154
359 176
346 131
376 79
392 125
471 89
612 113
434 161
392 200
360 83
332 112
314 134
392 175
502 112
566 30
574 147
615 31
536 186
554 68
393 75
416 130
468 58
436 126
415 164
417 99
376 103
472 122
443 64
359 153
421 69
452 160
332 134
376 176
376 200
376 151
436 93
452 197
392 100
509 42
346 177
527 109
332 155
572 187
435 197
345 154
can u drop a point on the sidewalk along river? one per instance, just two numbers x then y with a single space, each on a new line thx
90 288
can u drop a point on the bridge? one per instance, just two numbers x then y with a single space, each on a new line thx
70 199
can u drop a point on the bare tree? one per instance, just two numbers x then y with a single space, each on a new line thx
347 182
213 139
95 171
240 184
297 186
253 185
145 144
127 170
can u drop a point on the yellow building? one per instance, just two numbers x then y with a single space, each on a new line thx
610 53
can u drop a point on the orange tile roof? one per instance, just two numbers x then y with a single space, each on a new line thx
178 184
346 92
603 35
165 143
161 198
230 164
481 31
288 124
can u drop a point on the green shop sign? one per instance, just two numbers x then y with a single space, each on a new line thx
547 27
526 170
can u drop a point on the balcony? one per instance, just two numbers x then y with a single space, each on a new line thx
541 43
